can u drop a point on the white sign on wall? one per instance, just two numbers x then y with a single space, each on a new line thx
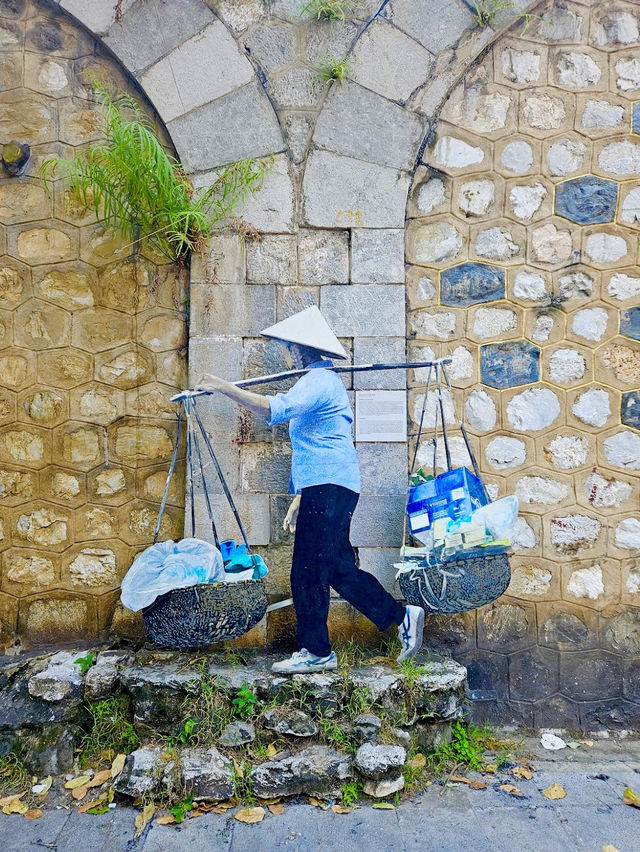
381 415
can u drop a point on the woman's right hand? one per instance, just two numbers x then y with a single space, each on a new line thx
291 518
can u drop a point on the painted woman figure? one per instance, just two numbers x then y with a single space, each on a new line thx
325 479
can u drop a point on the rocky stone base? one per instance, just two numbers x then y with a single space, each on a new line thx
204 722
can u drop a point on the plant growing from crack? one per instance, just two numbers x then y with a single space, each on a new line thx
334 69
485 11
328 10
139 191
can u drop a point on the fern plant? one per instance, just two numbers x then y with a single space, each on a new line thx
138 190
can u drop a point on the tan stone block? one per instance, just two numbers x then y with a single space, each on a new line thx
170 291
25 570
150 483
43 525
48 76
438 242
519 65
281 629
7 407
161 332
42 245
58 36
417 351
567 364
551 243
544 326
171 368
39 325
623 74
278 561
567 626
539 490
598 115
430 194
125 286
517 155
11 71
546 112
345 622
502 452
17 367
566 450
578 69
43 406
630 582
79 445
98 566
573 533
58 617
482 411
477 196
495 321
137 520
617 363
16 486
64 368
602 410
24 115
606 492
487 110
111 485
98 329
137 444
458 152
594 583
124 623
69 286
254 638
125 368
96 522
8 616
63 486
609 246
68 207
497 241
98 246
27 446
79 122
6 329
517 415
528 199
567 156
576 286
23 201
96 403
15 282
152 400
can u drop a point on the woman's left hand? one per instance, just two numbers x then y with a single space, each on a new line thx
208 382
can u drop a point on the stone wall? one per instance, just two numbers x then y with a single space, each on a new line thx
466 140
93 345
522 248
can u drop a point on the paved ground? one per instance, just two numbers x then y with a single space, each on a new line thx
591 816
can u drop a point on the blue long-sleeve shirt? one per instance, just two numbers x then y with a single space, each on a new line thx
320 420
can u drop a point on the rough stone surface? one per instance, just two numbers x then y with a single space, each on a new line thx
533 409
206 774
316 771
295 723
623 450
237 734
480 411
60 680
566 366
377 761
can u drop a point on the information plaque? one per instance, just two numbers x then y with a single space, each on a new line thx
381 415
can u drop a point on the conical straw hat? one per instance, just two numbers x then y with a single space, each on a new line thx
308 328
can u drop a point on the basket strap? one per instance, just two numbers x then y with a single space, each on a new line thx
192 506
205 490
167 485
442 417
420 425
223 482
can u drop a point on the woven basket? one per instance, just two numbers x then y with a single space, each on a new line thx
206 614
459 585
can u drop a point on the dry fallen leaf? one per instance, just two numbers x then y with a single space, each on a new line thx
118 765
418 761
339 809
92 804
492 768
13 805
554 791
43 787
460 779
629 797
80 781
590 743
512 790
609 849
239 768
250 815
383 806
34 813
478 785
271 750
165 819
99 778
276 810
315 802
80 792
196 812
520 772
143 818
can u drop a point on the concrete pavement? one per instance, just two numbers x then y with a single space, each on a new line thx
591 815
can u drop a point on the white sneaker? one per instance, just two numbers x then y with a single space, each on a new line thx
303 662
410 632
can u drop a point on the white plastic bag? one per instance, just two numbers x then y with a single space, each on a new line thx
500 517
170 565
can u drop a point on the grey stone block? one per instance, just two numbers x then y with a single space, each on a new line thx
342 192
591 675
487 675
323 257
224 260
324 39
221 68
507 626
297 88
298 130
149 30
434 24
271 208
265 468
252 508
238 125
361 310
290 300
231 309
359 123
272 260
377 350
533 674
377 522
221 356
377 256
383 468
375 62
96 15
379 562
271 46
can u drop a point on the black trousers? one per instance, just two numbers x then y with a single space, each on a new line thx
323 557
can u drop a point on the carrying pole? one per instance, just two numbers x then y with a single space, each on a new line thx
294 374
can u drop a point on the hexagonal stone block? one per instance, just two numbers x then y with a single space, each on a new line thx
630 322
591 675
533 673
587 200
471 283
630 411
508 364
